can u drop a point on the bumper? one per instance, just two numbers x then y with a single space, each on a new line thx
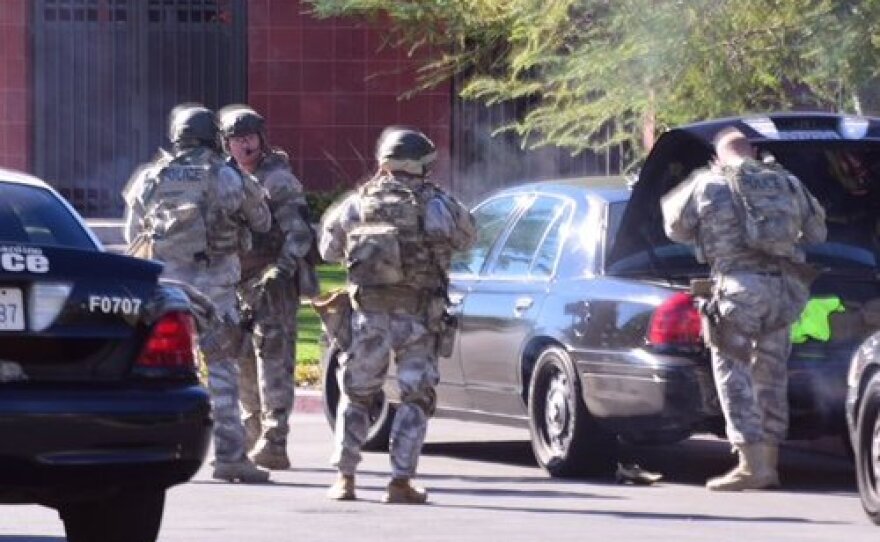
645 396
60 443
648 397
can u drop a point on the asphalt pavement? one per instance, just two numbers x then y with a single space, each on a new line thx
484 486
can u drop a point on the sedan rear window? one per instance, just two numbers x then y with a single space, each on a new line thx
33 215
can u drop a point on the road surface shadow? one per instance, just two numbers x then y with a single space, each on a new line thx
690 462
645 515
376 480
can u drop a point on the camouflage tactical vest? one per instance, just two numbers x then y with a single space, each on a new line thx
766 202
181 219
389 247
264 247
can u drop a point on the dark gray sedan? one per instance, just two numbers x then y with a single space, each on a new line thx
575 316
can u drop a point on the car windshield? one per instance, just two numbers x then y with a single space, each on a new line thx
33 215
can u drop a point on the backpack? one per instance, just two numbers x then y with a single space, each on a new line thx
175 214
391 225
765 199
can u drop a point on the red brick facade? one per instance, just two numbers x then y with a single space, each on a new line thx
328 88
15 86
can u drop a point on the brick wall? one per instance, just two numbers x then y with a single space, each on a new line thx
328 88
15 88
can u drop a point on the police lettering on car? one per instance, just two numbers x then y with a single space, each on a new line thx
23 259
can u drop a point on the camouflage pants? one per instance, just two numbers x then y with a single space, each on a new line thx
229 442
268 358
749 359
362 371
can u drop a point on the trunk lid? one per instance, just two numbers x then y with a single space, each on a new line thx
836 156
82 314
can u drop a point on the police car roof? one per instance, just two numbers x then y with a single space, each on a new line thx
19 177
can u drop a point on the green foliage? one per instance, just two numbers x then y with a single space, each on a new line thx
594 71
319 201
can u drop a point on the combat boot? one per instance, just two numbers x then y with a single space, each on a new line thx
400 491
270 455
754 471
342 489
240 471
771 454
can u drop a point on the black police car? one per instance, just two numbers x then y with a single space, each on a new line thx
101 409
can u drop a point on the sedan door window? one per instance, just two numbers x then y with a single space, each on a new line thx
531 231
490 219
545 259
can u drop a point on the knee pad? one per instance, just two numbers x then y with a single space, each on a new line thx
358 396
425 399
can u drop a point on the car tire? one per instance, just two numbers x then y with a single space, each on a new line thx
381 412
130 516
566 439
867 449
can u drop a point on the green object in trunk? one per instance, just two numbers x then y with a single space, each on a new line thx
813 322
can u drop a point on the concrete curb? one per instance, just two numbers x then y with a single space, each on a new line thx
308 401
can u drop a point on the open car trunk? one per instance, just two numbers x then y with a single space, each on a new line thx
836 157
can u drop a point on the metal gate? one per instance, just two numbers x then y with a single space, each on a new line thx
485 162
106 74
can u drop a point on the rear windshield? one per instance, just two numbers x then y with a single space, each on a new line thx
33 215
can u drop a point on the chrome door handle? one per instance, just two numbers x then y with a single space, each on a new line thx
523 304
455 298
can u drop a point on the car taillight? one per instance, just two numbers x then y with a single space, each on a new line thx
675 322
171 344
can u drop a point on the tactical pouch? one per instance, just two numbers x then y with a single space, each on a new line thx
334 310
373 255
708 323
446 337
702 288
400 299
442 324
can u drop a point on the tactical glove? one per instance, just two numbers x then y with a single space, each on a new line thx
272 276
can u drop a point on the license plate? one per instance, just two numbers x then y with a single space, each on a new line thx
11 310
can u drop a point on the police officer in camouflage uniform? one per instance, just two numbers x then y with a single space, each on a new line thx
754 300
271 274
395 234
186 209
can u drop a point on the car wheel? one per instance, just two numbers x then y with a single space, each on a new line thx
566 439
130 516
867 449
381 411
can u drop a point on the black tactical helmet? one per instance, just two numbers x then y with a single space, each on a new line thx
192 123
406 150
239 120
